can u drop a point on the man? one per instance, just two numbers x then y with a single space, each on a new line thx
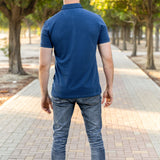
74 33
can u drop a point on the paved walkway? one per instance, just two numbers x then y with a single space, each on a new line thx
139 53
131 125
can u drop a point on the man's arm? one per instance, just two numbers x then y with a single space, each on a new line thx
44 68
108 67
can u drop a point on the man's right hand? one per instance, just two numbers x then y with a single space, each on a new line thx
108 95
46 104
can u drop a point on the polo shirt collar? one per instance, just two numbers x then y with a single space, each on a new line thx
72 6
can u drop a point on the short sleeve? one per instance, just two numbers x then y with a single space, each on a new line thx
45 37
103 35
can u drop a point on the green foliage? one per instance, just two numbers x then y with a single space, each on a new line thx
19 3
3 21
28 21
86 5
114 12
45 9
122 11
5 50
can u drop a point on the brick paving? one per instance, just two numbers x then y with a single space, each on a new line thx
131 129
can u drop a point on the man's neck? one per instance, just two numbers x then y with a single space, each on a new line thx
70 1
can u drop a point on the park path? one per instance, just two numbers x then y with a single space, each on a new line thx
131 125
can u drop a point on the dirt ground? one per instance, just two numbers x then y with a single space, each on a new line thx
11 84
153 74
142 47
141 61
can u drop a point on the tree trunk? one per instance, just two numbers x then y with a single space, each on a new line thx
15 65
124 38
121 33
139 34
30 38
128 30
146 36
117 36
113 36
157 38
134 51
150 58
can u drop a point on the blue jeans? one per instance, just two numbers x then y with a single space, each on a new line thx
91 112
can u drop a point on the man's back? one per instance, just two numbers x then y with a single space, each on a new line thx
74 33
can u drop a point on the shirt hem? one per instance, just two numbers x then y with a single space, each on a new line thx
103 42
78 96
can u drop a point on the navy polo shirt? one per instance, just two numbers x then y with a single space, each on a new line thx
74 33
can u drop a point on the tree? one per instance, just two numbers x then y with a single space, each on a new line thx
146 11
137 11
15 11
29 22
151 9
